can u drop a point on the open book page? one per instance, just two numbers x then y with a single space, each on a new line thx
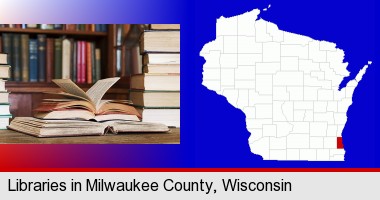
97 91
70 87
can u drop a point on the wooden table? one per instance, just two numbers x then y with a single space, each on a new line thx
172 137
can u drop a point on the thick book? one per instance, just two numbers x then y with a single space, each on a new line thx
97 64
161 69
89 105
49 59
25 57
4 109
169 82
160 41
74 61
7 46
169 117
5 71
88 63
155 99
41 57
2 85
61 128
165 26
16 57
58 58
161 58
66 58
4 121
33 60
4 95
3 58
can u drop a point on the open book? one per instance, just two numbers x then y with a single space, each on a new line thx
59 128
89 105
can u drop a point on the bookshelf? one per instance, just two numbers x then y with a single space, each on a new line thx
25 96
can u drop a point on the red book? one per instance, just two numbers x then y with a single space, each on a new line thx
84 62
49 59
89 62
79 60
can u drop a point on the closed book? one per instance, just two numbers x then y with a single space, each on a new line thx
66 58
7 46
98 27
49 59
79 62
58 26
58 58
152 68
1 44
160 41
41 57
161 58
4 109
4 97
3 59
74 61
5 71
155 99
169 117
165 26
46 26
25 57
93 64
31 25
4 121
16 57
2 84
97 64
88 62
169 82
33 60
83 66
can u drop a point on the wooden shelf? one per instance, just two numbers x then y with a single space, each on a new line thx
53 32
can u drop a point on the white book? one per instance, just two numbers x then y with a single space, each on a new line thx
66 58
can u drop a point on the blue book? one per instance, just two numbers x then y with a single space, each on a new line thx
98 27
41 57
33 60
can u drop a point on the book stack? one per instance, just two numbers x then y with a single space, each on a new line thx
4 102
42 59
156 92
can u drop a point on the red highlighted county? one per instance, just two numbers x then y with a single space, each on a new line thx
286 84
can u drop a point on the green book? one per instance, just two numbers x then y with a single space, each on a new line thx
58 58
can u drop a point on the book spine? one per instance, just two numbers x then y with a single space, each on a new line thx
79 62
41 57
98 27
83 62
33 60
58 58
7 46
16 57
25 57
98 64
93 67
74 61
66 60
58 26
89 62
49 59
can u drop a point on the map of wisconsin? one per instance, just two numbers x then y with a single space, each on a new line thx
286 84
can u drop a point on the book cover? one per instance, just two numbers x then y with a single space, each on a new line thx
88 62
25 57
79 62
16 57
33 60
83 66
98 63
41 57
74 61
66 58
93 64
58 58
49 59
7 46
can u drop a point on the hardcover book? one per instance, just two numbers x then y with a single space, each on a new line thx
60 128
41 57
